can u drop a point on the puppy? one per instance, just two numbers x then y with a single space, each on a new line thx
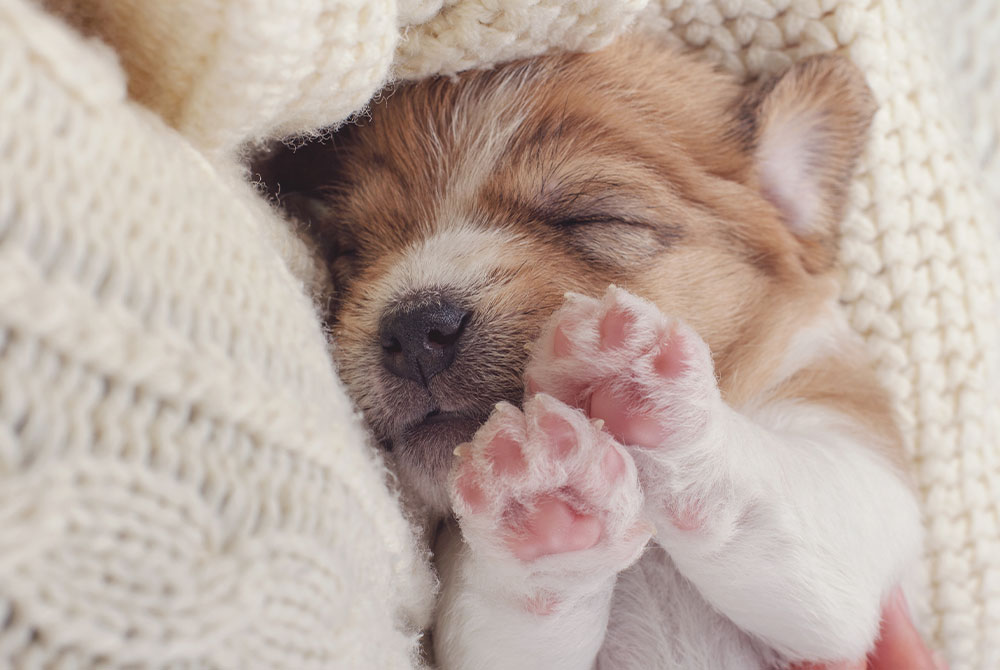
609 281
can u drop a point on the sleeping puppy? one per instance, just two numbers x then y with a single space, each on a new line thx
588 300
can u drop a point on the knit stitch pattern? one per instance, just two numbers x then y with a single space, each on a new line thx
226 72
182 480
183 483
967 35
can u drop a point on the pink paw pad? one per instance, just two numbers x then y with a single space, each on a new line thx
561 437
687 516
470 491
616 327
553 527
531 385
613 465
547 481
542 603
505 454
669 360
648 377
561 345
623 422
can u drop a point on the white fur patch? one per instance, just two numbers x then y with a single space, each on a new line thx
785 157
827 334
803 527
460 256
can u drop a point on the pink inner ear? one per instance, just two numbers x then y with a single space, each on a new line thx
787 160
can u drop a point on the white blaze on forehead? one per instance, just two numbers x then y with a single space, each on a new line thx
460 257
482 128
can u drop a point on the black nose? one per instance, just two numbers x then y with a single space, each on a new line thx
419 340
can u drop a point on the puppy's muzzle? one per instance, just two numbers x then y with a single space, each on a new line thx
420 336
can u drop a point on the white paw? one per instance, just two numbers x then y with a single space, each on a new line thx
648 377
549 497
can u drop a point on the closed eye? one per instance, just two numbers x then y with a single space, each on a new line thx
664 234
593 219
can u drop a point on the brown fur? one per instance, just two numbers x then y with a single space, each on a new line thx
633 166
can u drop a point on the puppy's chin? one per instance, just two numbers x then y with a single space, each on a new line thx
422 457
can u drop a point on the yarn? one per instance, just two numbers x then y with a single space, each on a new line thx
182 480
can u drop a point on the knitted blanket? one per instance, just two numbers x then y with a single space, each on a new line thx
182 480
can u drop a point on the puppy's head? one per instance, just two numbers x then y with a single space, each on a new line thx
457 216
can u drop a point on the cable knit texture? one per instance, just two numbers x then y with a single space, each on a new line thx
182 480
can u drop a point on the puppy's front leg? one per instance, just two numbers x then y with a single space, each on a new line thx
481 624
785 518
549 508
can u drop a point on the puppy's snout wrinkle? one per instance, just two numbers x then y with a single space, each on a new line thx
419 340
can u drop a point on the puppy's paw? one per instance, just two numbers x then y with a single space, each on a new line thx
548 497
650 380
649 377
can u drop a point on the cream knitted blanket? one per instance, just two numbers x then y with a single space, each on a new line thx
182 481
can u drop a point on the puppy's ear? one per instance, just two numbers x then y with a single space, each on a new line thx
806 129
294 178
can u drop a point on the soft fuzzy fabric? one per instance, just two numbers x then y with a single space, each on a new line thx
182 480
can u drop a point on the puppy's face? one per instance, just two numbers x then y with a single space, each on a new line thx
455 219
